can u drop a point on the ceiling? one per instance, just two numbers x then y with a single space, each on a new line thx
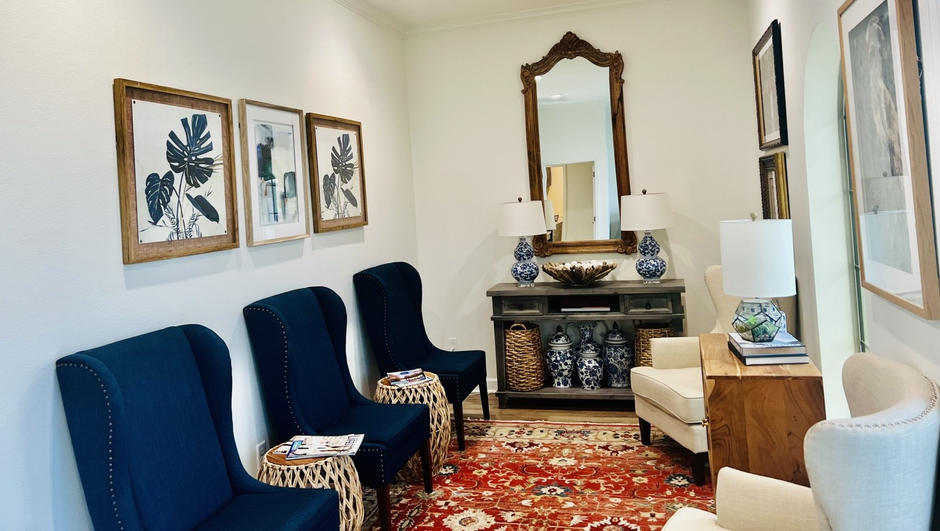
416 13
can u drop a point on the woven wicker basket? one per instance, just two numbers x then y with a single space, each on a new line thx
525 370
644 356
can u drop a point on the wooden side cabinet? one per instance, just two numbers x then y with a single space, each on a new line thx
757 416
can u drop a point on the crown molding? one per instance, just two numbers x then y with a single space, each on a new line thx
374 15
529 15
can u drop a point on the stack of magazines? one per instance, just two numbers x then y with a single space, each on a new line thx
783 350
310 446
409 377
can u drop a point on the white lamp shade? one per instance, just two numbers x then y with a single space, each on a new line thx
521 218
645 212
549 215
757 258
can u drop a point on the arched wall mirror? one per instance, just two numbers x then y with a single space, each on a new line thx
577 147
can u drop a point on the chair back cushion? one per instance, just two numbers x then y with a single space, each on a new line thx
389 298
725 305
302 381
170 459
877 470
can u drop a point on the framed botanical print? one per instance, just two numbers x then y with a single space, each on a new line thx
176 174
774 195
888 155
274 173
767 58
338 177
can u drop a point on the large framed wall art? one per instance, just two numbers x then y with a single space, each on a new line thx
274 173
338 176
176 173
774 192
888 154
767 59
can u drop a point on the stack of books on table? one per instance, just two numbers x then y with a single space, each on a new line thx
783 350
409 377
310 446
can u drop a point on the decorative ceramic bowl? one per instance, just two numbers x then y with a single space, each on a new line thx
579 273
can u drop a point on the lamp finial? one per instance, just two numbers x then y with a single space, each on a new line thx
644 191
753 216
519 199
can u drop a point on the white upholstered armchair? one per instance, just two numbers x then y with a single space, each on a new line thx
669 395
875 470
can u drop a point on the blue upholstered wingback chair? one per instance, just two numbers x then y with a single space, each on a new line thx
390 304
299 342
151 424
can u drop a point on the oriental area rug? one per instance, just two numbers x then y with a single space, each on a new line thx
534 476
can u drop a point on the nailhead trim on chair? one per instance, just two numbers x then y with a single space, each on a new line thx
290 406
930 407
381 459
107 401
388 348
456 379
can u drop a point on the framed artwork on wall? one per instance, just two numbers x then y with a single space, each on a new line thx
274 172
337 176
774 194
767 59
888 154
176 173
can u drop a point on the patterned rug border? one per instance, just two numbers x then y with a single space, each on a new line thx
554 423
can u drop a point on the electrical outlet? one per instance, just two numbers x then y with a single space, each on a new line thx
261 449
452 343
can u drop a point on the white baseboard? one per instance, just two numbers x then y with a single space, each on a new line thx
490 387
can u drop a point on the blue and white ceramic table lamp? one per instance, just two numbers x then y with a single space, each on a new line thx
647 212
756 265
522 219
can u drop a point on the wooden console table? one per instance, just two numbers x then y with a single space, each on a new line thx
757 416
551 303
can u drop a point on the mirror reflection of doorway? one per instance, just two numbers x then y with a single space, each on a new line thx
570 187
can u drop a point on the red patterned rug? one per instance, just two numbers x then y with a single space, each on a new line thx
528 476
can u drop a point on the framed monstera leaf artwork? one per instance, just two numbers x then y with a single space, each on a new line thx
175 172
338 177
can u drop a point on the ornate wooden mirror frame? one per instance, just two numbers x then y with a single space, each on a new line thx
569 47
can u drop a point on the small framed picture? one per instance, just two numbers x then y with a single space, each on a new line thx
767 58
774 197
274 173
338 177
176 172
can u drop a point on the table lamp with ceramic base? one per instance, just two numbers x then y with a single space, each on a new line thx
522 219
647 212
757 265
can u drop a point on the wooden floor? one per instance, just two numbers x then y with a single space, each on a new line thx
573 411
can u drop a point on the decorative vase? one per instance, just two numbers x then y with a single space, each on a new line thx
560 358
650 266
525 270
618 358
591 371
588 345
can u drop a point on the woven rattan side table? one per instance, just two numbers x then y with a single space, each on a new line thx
432 394
337 473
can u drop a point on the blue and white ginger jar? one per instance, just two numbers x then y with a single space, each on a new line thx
618 358
560 358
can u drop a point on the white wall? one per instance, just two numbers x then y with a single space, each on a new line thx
690 119
64 287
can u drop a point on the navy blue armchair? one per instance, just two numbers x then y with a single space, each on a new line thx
390 303
150 420
299 343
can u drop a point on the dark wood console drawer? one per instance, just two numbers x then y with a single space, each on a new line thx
647 304
520 306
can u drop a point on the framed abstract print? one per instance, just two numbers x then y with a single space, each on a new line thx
888 154
274 173
337 174
767 58
176 173
774 195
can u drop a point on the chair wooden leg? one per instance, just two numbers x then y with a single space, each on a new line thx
385 507
426 467
645 432
699 468
484 399
458 417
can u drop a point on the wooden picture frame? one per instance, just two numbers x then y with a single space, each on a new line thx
176 172
337 173
569 47
888 154
767 60
774 194
274 172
